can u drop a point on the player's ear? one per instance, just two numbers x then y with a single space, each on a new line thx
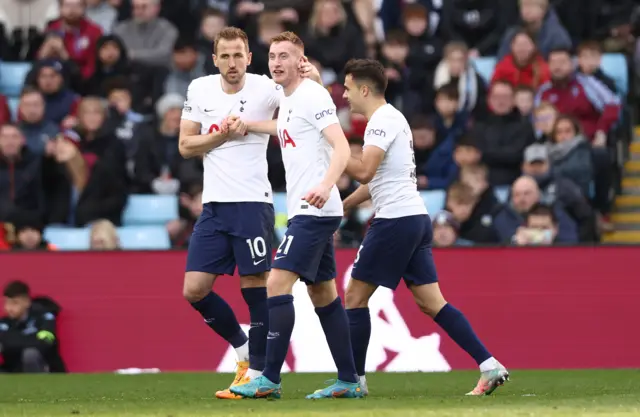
215 60
249 56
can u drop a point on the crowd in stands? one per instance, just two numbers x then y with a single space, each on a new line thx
98 117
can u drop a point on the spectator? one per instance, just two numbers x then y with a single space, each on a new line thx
456 68
561 191
148 38
269 25
589 61
479 227
479 24
20 174
425 52
540 20
79 34
467 152
102 14
157 159
104 236
423 131
5 112
582 96
524 97
38 131
461 202
61 103
331 38
25 22
612 24
570 153
540 227
393 55
112 62
445 231
190 209
53 49
95 162
440 170
212 22
523 65
28 332
28 229
544 118
187 65
503 135
524 195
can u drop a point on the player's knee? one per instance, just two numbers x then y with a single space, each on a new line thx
254 281
323 293
280 282
355 299
196 286
429 298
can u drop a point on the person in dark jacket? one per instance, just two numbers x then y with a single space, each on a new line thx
479 227
561 191
540 227
28 335
479 24
20 174
524 195
463 203
61 103
269 25
589 61
87 179
440 170
503 135
541 21
212 22
570 153
28 228
112 61
38 132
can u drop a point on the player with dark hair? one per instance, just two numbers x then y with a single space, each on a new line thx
237 220
398 242
308 128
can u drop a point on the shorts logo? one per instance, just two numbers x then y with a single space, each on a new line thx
187 108
324 113
259 262
376 132
279 257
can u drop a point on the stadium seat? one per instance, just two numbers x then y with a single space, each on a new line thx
68 238
434 200
484 66
615 66
502 193
13 107
150 209
12 76
144 238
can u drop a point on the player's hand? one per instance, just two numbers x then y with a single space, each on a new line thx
318 196
237 127
308 70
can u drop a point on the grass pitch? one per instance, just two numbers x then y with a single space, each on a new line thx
529 393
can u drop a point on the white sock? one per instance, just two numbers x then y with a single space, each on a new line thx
362 379
489 364
253 374
243 352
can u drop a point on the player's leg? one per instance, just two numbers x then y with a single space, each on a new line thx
422 280
357 304
254 292
335 323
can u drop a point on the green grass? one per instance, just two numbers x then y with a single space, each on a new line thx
529 393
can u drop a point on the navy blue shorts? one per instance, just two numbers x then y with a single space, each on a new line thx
307 248
397 248
230 234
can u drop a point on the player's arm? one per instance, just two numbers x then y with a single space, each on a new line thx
356 198
192 143
268 126
341 153
362 169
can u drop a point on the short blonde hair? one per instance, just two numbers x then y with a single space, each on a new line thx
107 231
288 37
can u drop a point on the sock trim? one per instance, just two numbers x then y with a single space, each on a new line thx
329 308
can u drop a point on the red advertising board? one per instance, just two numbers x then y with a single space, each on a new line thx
533 308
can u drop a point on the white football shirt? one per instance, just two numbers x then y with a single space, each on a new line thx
305 152
393 188
237 170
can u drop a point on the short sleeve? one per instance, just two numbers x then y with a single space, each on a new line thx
322 110
381 133
274 93
191 110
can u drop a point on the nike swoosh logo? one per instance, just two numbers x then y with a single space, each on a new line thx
208 110
259 262
264 393
279 257
339 393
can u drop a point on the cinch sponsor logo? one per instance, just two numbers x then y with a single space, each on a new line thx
323 113
377 132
